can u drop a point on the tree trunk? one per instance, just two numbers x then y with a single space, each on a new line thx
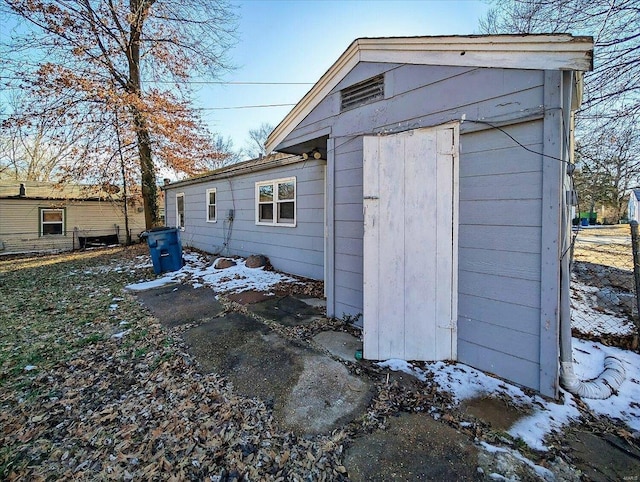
139 10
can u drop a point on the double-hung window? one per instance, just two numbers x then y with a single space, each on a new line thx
180 210
51 221
211 205
276 202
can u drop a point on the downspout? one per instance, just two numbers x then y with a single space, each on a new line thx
608 382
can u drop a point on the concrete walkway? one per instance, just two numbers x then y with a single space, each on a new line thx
282 350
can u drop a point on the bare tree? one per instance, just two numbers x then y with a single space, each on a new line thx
38 149
609 168
92 58
257 139
613 88
608 147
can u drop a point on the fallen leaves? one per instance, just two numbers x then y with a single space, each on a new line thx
113 402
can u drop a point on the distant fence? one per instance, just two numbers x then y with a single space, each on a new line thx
73 239
604 294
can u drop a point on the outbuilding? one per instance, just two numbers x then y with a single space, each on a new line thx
48 217
426 181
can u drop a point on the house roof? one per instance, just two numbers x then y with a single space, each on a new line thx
252 165
52 191
636 193
533 52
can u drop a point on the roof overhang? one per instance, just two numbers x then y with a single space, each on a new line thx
531 52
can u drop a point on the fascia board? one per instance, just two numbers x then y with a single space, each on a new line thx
531 52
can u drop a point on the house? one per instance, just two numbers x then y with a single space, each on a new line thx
39 216
633 211
426 183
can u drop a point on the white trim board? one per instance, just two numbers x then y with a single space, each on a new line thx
531 52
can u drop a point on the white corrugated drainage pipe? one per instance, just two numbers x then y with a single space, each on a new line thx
602 387
608 382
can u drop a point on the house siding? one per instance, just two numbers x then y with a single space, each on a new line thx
297 250
500 207
20 226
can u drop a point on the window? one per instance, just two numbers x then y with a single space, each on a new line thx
276 202
51 221
211 205
180 210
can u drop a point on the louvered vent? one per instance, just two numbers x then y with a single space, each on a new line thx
363 92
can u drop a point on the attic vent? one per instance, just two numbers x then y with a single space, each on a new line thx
363 92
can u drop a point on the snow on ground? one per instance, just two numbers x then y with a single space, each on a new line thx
589 320
199 272
546 416
462 381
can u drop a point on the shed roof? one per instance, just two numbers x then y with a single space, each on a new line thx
636 193
252 165
53 191
532 52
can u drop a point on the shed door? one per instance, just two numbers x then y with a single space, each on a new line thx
410 245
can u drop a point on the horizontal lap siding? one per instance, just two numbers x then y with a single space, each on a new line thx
19 229
297 250
500 252
348 229
500 197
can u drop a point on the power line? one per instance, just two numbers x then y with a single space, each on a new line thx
244 107
203 82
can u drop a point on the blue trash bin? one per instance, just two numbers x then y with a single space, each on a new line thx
165 249
584 221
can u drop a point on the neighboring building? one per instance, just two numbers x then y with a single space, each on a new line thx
426 184
38 217
633 210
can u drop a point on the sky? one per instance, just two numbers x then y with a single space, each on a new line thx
293 43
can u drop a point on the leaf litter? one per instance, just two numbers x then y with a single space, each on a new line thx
104 402
92 387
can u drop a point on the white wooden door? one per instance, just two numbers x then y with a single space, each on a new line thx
410 245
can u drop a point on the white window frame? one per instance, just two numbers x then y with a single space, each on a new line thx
180 225
276 201
215 206
43 222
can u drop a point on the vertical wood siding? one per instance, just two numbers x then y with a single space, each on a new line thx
500 210
298 250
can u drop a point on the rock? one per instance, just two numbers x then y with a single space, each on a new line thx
256 261
607 298
223 263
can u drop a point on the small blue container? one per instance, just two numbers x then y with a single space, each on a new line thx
584 221
165 248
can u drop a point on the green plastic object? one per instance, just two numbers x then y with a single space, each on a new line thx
358 355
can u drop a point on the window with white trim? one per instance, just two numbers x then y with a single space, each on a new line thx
51 221
211 205
180 210
276 202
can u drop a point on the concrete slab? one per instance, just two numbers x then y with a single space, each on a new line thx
325 397
339 344
286 310
309 392
414 447
178 304
315 302
604 457
249 297
257 361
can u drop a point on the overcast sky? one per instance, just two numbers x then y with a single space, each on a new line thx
296 41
